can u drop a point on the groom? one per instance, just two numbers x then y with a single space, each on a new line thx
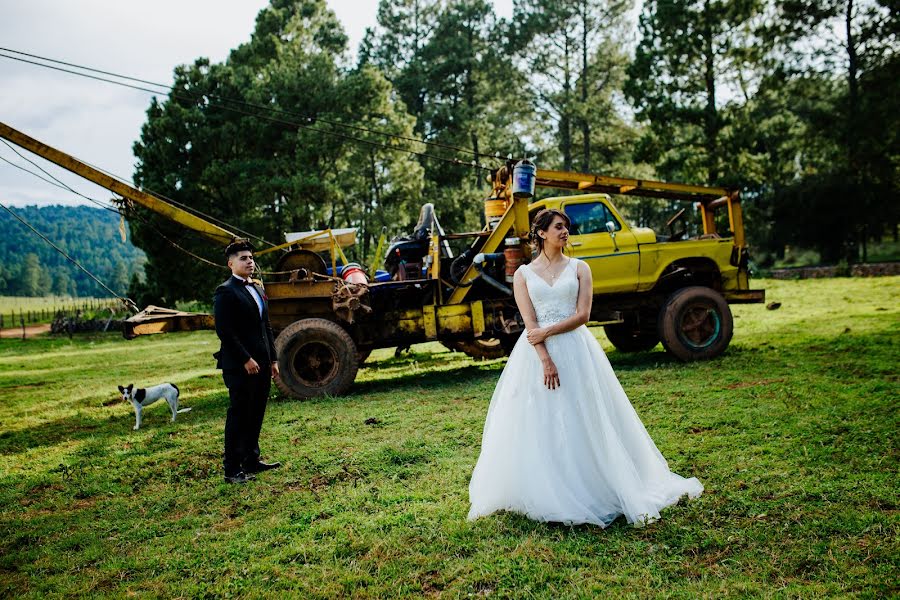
248 362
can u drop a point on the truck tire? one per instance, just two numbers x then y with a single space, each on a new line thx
316 357
626 339
695 323
485 349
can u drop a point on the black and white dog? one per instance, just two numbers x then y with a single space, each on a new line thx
141 397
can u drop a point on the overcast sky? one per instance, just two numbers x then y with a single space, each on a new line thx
99 122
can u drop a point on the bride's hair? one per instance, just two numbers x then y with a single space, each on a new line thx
542 221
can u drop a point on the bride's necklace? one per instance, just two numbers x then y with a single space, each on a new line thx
549 270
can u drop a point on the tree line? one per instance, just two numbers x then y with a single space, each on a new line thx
92 236
792 101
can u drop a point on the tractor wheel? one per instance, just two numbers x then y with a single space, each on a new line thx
626 339
485 349
316 357
301 259
695 323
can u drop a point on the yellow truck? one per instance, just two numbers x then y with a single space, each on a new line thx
672 288
648 289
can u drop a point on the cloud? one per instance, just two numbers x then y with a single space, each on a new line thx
99 122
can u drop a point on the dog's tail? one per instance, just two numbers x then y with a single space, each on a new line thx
181 410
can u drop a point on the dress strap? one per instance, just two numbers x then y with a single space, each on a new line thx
526 271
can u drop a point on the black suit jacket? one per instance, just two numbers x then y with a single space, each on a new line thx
243 333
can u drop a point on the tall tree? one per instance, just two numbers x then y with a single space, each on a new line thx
30 284
689 55
446 60
849 49
294 167
395 46
572 51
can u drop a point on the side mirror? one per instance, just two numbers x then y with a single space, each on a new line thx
611 228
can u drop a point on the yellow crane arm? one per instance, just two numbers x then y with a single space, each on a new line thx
208 230
584 182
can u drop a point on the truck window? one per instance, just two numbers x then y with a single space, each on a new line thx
589 218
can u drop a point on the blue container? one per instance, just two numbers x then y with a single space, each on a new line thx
523 179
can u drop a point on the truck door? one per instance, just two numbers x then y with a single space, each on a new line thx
613 270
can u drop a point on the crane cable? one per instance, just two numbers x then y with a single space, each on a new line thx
128 302
171 88
124 180
189 98
119 212
182 205
55 181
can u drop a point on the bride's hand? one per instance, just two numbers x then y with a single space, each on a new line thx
536 336
551 375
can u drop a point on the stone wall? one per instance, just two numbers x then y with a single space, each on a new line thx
860 270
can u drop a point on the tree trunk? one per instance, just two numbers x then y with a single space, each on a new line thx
470 101
585 125
565 119
853 96
852 138
711 120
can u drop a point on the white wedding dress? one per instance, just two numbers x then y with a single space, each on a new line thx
576 454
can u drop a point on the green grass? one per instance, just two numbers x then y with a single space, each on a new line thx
26 303
42 309
793 432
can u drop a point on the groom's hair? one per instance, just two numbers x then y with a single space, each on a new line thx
236 247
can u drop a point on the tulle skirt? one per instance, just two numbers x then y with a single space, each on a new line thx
577 454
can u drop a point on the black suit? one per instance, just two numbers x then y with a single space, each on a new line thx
244 335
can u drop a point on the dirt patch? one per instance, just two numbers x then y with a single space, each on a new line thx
30 331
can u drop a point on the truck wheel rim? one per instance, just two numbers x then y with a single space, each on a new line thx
315 363
700 327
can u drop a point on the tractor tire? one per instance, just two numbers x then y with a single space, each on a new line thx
484 349
316 357
626 339
695 323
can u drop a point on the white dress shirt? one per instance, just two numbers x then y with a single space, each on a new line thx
254 293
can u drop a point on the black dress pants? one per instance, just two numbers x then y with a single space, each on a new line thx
248 394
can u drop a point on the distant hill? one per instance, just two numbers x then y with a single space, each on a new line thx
30 267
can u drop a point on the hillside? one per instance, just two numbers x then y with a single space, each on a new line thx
30 267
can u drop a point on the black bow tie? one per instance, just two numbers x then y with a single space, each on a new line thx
245 282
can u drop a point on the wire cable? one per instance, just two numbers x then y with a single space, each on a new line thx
170 88
128 302
126 181
58 183
117 211
181 205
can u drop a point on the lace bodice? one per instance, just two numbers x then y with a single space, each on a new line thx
557 302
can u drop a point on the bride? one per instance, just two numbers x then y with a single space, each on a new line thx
561 441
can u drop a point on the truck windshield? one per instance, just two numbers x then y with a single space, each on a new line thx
589 217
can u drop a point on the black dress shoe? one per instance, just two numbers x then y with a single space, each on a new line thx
239 477
259 467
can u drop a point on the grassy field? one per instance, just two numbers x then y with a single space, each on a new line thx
42 309
26 303
794 434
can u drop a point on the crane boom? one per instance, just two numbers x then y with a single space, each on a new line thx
203 227
584 182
